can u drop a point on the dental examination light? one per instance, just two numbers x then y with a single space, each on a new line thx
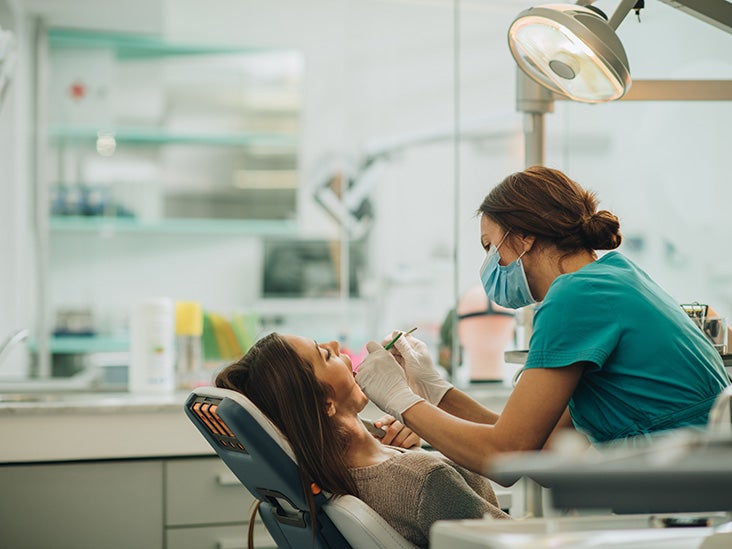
573 50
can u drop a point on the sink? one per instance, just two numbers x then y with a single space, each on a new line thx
46 388
80 387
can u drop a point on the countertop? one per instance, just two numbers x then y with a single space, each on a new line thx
85 403
91 426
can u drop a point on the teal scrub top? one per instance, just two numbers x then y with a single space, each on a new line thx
650 367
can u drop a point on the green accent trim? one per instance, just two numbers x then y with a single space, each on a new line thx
138 45
154 136
110 225
85 344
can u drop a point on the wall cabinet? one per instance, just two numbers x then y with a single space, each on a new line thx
167 503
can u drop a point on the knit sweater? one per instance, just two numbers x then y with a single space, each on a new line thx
414 489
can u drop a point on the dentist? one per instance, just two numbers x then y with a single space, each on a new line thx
612 354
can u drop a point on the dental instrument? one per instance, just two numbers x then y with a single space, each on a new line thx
400 334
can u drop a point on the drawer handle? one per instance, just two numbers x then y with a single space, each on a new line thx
230 544
227 479
263 541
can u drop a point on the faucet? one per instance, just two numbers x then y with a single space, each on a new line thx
11 341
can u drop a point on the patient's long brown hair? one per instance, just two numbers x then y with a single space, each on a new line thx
284 387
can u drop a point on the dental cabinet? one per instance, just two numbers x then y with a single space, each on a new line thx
115 472
188 502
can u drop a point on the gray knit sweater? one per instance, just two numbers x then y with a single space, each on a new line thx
414 489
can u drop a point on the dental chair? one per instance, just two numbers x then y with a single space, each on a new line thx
261 458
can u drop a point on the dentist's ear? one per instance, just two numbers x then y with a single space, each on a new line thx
528 242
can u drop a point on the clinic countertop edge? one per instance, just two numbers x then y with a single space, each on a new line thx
106 403
493 395
94 426
98 426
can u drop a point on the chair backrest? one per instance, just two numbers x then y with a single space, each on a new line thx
263 461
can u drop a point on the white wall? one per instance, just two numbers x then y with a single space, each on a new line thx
140 16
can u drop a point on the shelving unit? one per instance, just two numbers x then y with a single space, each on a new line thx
167 130
157 136
154 142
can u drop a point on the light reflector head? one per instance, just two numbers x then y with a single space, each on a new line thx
572 51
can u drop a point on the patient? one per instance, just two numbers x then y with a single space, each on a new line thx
307 390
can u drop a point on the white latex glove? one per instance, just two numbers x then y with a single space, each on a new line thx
384 382
397 434
422 376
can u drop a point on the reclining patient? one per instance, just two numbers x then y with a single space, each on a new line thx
307 390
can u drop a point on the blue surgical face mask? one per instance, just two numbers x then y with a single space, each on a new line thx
505 285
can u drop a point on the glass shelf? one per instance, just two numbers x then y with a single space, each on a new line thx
137 45
310 306
165 137
111 225
85 344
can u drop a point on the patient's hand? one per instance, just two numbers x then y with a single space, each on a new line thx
397 434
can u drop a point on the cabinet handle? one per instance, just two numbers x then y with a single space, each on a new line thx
262 541
227 479
231 544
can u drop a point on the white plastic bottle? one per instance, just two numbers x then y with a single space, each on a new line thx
152 347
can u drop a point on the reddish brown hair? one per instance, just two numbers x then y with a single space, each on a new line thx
547 204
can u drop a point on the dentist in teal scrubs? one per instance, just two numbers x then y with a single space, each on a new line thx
612 354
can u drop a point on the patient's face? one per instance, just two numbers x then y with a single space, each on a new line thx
333 368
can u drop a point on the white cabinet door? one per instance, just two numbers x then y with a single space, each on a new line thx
204 491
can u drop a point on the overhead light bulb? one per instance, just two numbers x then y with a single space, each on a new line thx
572 51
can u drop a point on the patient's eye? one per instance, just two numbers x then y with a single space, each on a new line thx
322 348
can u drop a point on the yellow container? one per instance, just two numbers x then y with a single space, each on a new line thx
188 318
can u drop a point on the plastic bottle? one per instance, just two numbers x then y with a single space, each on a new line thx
189 371
152 353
